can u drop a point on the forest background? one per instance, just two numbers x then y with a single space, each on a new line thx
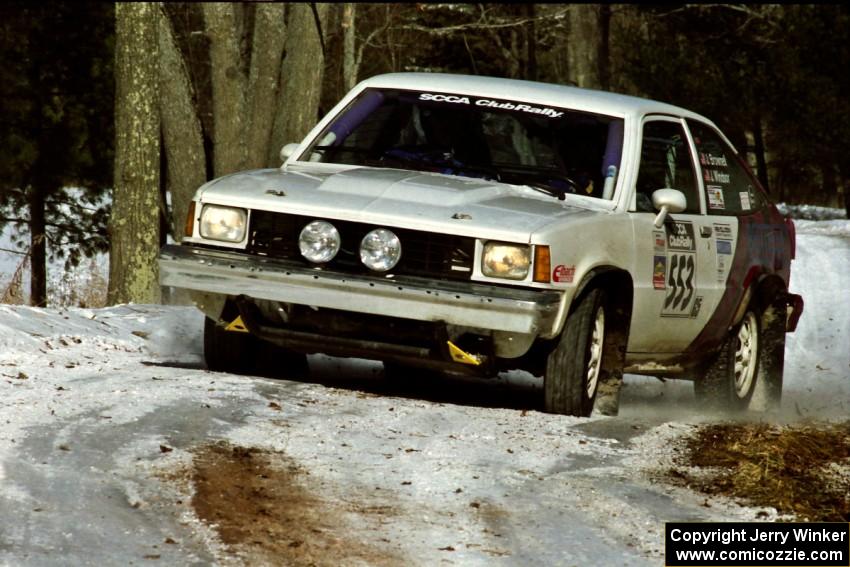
113 114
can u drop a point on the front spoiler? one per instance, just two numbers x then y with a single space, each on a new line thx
458 303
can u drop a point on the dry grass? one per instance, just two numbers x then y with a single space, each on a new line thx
13 293
80 287
801 470
83 286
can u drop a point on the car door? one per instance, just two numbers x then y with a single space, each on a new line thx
676 285
750 237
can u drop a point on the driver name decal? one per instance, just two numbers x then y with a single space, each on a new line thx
489 103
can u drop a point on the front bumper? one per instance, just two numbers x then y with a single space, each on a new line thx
467 304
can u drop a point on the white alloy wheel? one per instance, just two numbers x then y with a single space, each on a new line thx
594 362
746 355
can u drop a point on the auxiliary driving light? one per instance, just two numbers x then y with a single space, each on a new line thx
380 250
319 242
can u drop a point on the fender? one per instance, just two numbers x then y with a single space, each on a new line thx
615 279
760 254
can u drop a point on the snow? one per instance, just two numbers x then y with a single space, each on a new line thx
87 396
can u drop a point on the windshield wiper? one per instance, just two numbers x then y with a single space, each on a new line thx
439 161
541 187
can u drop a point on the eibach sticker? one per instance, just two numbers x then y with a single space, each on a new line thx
659 271
563 274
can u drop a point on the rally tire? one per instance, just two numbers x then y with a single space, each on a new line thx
243 353
226 351
574 366
746 373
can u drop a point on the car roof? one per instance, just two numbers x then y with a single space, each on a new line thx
589 100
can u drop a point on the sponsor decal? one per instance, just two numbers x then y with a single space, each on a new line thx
681 236
659 271
723 231
444 98
745 200
489 103
724 250
660 241
697 305
715 197
722 267
563 274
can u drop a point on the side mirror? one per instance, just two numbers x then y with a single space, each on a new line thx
287 151
667 201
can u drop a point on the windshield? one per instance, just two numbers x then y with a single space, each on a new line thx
555 150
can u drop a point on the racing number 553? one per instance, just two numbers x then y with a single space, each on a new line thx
680 281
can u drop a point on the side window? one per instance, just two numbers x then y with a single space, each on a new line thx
730 188
665 162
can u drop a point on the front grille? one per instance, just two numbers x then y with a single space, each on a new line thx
426 254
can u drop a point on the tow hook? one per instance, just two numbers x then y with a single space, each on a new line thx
463 357
237 325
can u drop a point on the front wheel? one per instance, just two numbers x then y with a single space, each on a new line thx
243 353
747 371
573 368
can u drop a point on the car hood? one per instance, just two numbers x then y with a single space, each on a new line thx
397 198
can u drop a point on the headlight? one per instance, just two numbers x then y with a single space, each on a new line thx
510 261
319 241
223 223
380 250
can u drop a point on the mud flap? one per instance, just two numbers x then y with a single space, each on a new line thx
794 308
608 394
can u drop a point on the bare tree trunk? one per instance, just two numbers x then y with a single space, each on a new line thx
758 148
530 43
583 46
38 247
845 186
181 128
263 81
134 225
228 86
300 78
829 187
349 61
603 46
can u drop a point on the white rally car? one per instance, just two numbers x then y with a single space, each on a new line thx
476 224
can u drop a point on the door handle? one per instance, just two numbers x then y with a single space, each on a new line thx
705 231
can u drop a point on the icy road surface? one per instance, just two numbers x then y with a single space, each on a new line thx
97 407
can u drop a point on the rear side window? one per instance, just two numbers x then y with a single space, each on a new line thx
729 186
665 162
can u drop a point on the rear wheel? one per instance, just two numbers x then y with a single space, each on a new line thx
747 371
574 367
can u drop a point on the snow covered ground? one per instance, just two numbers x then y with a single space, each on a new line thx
98 408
